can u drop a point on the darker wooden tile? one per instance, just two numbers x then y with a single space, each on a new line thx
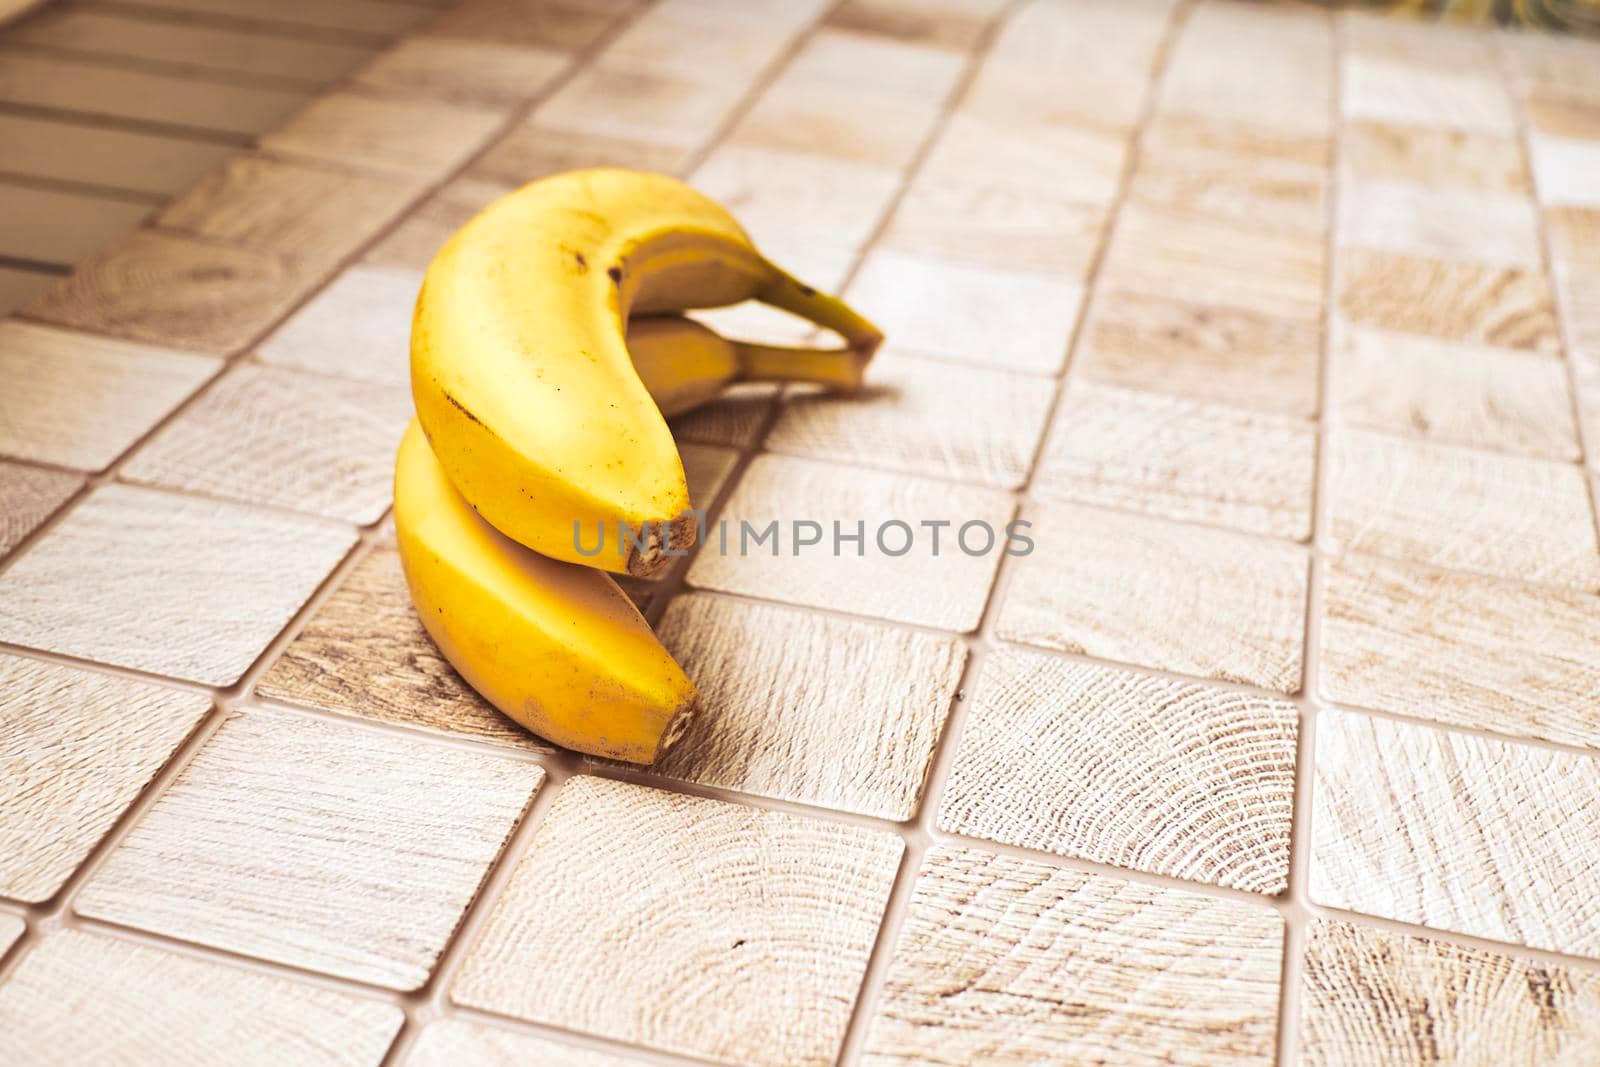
533 150
456 71
417 139
567 27
29 496
174 290
1434 156
1501 306
953 27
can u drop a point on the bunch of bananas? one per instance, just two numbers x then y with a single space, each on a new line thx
546 353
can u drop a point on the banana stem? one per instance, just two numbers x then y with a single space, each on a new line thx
794 296
838 368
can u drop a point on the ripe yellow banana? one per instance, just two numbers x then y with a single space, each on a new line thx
520 365
557 647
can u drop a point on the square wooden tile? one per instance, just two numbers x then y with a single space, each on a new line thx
1211 603
729 43
358 327
315 215
77 400
1435 157
1082 164
1567 170
172 585
987 223
1370 996
1231 355
1473 302
1574 233
1111 48
272 435
563 27
419 140
365 653
413 244
168 289
895 573
29 496
1462 650
1418 220
1171 139
532 149
780 687
1456 832
1012 319
286 838
1270 68
804 115
452 1042
80 746
621 884
1455 507
1002 960
87 998
1385 89
923 416
1497 398
1181 460
654 107
1126 769
481 73
1248 189
955 25
875 64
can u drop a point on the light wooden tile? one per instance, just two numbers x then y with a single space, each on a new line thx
1482 304
1456 832
1567 170
561 27
1392 90
359 327
622 884
140 162
29 496
365 653
729 43
1082 164
990 224
78 400
1269 68
1205 351
1497 398
655 107
1462 650
270 435
463 72
413 244
173 290
1171 139
12 927
1369 996
1435 157
881 577
80 747
173 585
1002 960
463 1043
1454 507
1431 43
1211 603
954 25
533 150
306 213
85 998
779 688
1416 219
1100 46
60 226
923 416
1249 190
804 115
1125 769
316 844
1574 233
1552 61
876 65
411 139
1013 319
1181 460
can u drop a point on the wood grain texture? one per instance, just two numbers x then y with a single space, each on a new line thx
1211 603
922 416
539 23
1392 90
655 107
875 64
1454 507
173 290
426 228
1415 219
1369 996
1462 650
1075 161
305 213
411 139
1456 832
78 400
460 1043
533 150
1121 768
1010 319
365 653
86 998
1498 398
947 590
1249 189
316 844
1434 157
143 579
1554 113
1180 460
1272 69
685 924
1500 306
463 72
124 159
990 223
370 17
61 226
80 747
956 25
1201 350
1004 961
803 114
270 435
359 327
779 688
29 496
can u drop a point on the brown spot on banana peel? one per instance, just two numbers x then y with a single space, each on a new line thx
463 409
615 274
677 726
682 533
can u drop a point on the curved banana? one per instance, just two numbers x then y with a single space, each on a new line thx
520 367
557 647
